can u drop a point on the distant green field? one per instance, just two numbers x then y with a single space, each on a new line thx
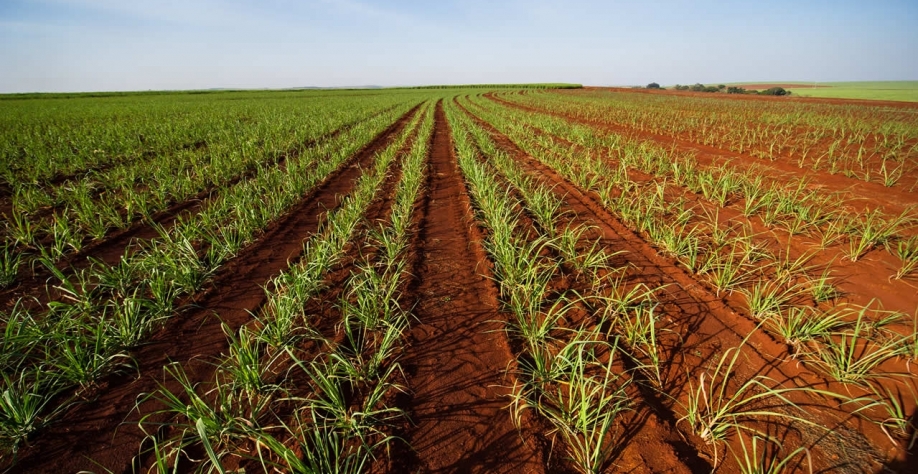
881 90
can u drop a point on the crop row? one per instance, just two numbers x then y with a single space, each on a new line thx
714 410
777 286
308 402
105 310
49 224
49 141
798 209
568 376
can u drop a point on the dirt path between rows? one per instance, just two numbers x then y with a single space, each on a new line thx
104 432
458 352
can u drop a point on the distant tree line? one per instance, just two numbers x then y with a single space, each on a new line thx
559 85
723 88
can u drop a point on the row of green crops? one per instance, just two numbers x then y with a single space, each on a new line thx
48 237
44 139
807 214
311 402
836 341
571 374
730 257
568 375
66 345
309 384
53 221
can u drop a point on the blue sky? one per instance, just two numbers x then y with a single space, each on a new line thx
92 45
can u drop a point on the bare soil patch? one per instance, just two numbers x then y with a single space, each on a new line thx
458 352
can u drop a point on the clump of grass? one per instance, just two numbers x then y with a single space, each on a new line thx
10 260
769 298
579 395
756 458
639 329
822 289
715 409
798 326
726 272
899 424
876 229
218 425
907 251
25 405
851 356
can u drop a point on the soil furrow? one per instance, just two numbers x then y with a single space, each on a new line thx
325 316
652 426
457 353
197 145
763 98
104 431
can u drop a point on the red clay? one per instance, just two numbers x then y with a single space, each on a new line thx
812 100
458 352
866 194
863 280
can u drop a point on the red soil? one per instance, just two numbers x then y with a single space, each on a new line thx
458 352
33 282
865 194
813 100
863 280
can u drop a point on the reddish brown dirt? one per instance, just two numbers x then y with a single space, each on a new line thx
458 358
457 352
861 283
871 164
708 325
650 427
104 432
325 312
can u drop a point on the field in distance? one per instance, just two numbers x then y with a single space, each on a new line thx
906 91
